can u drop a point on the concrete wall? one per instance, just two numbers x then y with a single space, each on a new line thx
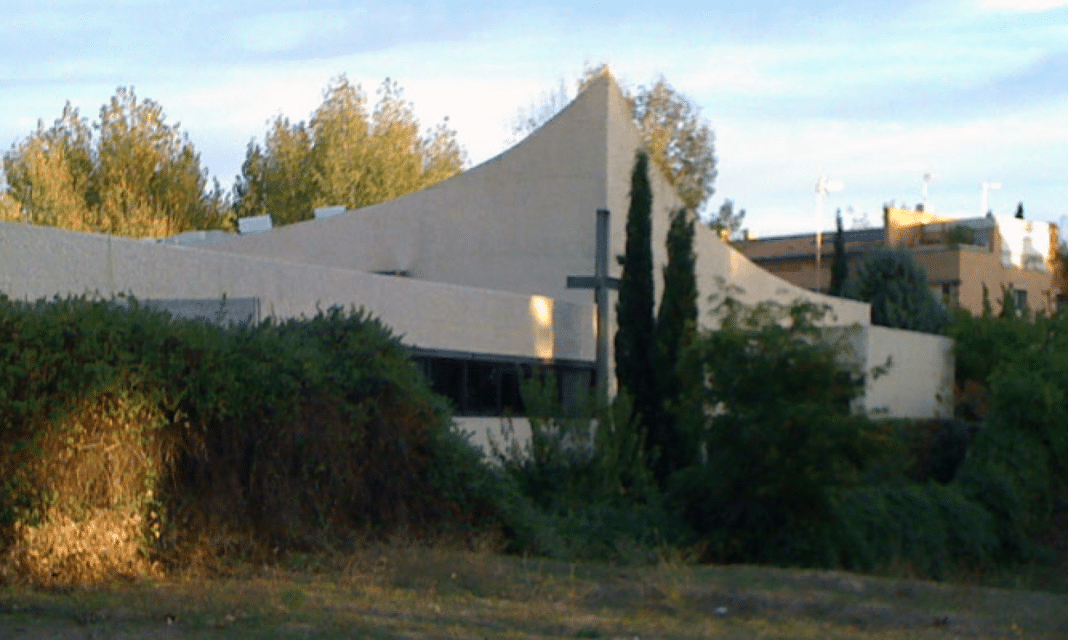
40 262
919 383
483 430
524 221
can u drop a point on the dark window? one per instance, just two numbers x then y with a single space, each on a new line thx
445 377
483 393
481 385
951 294
1020 298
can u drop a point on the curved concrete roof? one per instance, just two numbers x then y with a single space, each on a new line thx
524 220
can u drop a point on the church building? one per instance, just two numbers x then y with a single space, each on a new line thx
473 272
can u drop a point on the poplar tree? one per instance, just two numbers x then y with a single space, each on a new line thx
676 326
131 173
349 153
635 339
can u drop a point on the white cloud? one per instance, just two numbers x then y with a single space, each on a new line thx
1022 6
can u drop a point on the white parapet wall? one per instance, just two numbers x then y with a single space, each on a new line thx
42 262
919 380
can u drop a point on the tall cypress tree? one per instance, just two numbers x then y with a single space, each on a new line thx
840 267
635 339
676 325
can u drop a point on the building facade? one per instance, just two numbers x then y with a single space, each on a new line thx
472 272
961 257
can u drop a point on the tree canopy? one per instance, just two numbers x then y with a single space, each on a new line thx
898 291
349 153
130 173
727 223
679 140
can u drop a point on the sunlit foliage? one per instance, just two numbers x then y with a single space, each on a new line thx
129 173
349 153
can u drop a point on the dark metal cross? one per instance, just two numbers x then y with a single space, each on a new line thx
600 282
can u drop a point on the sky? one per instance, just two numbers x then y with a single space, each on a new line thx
872 94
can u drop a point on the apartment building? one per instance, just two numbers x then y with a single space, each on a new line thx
961 255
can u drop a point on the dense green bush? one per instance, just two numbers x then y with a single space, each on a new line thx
584 471
1016 366
930 528
777 434
296 434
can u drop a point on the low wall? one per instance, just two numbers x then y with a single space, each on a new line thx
485 429
919 381
38 262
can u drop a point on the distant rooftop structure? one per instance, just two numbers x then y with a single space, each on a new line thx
329 212
254 224
193 237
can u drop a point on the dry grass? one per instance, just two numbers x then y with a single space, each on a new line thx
105 545
98 465
410 591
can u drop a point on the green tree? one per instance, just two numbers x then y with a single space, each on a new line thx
348 154
676 327
727 223
781 437
48 174
277 178
840 266
635 339
139 177
898 291
679 140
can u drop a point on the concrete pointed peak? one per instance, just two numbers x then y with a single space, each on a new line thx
603 86
604 72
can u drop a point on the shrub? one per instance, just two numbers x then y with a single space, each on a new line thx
584 471
777 434
221 440
930 528
1017 370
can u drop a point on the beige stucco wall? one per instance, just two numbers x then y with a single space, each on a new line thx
524 220
40 262
919 382
975 267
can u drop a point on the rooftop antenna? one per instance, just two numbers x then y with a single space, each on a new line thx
824 186
987 186
927 177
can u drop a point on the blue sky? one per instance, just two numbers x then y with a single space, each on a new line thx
874 94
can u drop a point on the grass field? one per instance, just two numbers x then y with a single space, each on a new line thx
419 592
